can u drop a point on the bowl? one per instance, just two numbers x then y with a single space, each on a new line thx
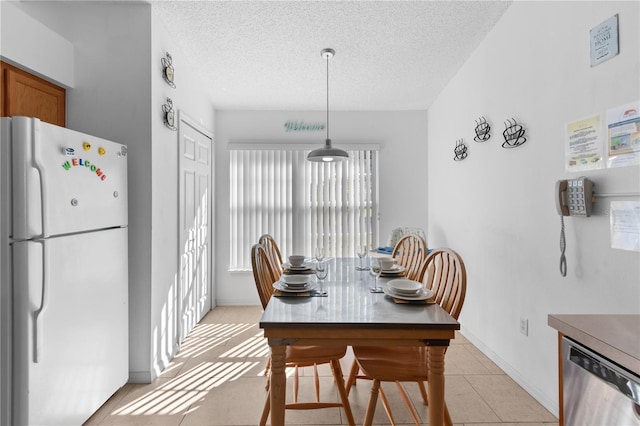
295 279
386 263
405 286
296 260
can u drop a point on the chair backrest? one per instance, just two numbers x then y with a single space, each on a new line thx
443 271
263 273
410 251
398 233
273 253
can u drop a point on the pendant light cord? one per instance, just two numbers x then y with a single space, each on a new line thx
328 56
328 154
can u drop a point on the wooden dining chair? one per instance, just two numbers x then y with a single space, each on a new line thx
409 252
299 356
263 273
273 252
400 232
443 272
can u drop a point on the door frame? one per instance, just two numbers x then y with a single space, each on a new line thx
185 119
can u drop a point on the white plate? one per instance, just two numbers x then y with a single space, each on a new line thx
421 295
279 285
405 286
304 267
295 285
298 279
396 269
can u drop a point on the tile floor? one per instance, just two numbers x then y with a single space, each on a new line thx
216 379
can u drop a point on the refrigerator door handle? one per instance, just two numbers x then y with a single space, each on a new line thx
44 303
39 166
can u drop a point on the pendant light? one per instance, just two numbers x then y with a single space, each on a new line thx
327 153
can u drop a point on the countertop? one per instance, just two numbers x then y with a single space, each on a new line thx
616 337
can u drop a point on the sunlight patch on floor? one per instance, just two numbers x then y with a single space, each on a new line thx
254 347
176 396
208 336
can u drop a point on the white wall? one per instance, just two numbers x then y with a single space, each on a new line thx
54 61
189 98
497 206
402 140
118 95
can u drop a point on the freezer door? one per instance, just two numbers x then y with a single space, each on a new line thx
70 326
65 181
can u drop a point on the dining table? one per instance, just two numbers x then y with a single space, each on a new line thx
351 314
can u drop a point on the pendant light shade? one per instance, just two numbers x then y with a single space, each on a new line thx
327 153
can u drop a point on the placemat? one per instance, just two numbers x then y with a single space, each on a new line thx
310 293
414 302
385 250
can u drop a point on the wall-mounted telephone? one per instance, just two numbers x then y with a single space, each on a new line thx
574 197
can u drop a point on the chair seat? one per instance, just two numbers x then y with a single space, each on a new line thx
390 364
314 354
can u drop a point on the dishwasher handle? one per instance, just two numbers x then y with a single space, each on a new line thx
612 375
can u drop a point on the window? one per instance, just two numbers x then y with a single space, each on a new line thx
301 204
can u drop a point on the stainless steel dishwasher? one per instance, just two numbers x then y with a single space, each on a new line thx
596 391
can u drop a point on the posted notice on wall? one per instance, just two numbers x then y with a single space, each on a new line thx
589 145
623 139
625 225
584 145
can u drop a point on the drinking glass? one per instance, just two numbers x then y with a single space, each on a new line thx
362 252
321 273
376 272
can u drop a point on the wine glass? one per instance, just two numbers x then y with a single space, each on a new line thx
362 252
319 254
376 273
321 273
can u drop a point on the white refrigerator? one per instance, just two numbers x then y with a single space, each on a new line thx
64 266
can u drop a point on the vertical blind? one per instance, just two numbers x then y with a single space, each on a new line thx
302 204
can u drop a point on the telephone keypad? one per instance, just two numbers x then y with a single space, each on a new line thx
577 204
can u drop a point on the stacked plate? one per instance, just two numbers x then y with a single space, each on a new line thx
294 283
407 290
294 270
394 271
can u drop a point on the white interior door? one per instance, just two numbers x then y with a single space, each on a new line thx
195 224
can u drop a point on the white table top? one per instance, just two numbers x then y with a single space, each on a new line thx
350 304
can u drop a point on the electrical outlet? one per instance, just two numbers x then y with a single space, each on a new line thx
524 326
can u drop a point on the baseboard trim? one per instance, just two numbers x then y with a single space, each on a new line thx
142 376
548 403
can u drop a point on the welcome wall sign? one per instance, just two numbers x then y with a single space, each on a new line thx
301 126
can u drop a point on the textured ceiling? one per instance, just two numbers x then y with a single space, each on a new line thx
265 55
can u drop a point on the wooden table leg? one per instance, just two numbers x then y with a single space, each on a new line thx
436 385
278 386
